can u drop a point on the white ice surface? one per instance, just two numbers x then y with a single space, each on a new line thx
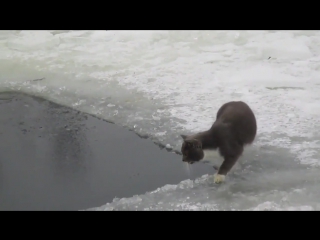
164 83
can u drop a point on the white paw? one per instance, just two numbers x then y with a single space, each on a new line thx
217 178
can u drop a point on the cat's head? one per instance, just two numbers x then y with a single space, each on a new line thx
191 150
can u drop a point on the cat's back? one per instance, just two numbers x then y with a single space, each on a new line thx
240 118
234 111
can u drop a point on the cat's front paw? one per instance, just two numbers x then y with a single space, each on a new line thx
217 178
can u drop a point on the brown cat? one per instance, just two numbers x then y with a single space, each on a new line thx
235 126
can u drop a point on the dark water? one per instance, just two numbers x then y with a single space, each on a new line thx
56 158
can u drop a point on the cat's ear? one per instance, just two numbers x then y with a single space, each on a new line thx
183 136
194 143
197 143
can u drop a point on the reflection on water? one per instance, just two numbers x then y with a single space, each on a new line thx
70 146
